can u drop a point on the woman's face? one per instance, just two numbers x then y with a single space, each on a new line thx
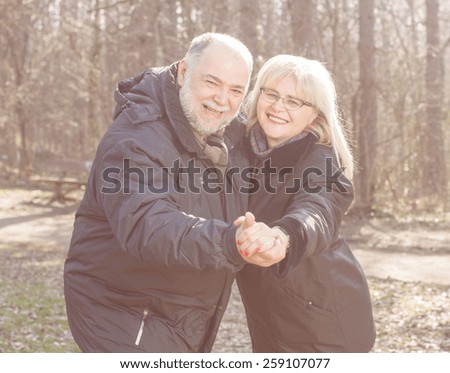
279 123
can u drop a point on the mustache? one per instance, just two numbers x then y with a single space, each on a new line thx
216 107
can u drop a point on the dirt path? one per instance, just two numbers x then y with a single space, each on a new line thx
384 248
25 217
411 314
401 251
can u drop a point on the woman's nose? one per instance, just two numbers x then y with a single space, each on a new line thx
278 105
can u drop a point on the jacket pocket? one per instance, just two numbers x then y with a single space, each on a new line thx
308 305
303 326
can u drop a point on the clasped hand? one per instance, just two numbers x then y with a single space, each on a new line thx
258 243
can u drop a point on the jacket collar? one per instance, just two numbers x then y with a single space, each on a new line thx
287 155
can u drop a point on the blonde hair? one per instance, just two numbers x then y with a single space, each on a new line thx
315 85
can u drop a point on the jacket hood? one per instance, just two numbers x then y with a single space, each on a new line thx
142 93
154 94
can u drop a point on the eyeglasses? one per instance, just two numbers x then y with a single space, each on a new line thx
290 103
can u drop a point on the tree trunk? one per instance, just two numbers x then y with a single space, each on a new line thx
171 49
141 38
92 132
434 173
20 58
24 151
247 25
367 109
221 20
302 12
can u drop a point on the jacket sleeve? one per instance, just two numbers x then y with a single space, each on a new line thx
149 224
314 217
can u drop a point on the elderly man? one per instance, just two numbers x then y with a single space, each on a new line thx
153 253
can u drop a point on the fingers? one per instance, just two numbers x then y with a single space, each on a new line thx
258 236
268 257
277 254
257 246
248 221
239 221
257 242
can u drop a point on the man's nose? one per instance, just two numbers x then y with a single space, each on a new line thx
221 96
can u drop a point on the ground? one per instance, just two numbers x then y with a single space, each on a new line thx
406 263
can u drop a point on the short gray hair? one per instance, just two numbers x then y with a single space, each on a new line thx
201 42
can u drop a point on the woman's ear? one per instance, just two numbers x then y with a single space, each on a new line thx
181 72
314 116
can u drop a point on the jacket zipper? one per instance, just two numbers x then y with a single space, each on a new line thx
222 192
223 195
141 327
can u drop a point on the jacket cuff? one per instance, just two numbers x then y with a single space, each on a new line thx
297 245
230 249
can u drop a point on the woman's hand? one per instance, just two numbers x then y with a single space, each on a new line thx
258 243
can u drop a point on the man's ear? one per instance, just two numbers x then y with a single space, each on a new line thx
181 72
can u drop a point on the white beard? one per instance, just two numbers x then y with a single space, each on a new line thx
201 126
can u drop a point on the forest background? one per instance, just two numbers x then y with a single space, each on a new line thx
60 61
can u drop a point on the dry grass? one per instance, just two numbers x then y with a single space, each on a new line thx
410 316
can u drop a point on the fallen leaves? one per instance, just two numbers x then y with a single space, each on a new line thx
409 316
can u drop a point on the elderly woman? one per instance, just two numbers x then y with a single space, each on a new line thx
315 299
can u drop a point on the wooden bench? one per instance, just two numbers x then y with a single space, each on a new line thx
63 175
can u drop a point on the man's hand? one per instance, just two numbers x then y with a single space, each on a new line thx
258 243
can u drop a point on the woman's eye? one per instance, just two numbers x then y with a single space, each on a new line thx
293 103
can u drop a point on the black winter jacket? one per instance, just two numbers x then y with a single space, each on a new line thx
152 256
317 298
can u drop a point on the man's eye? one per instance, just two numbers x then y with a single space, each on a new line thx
237 92
273 96
211 83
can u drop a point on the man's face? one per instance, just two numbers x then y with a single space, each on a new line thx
212 90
